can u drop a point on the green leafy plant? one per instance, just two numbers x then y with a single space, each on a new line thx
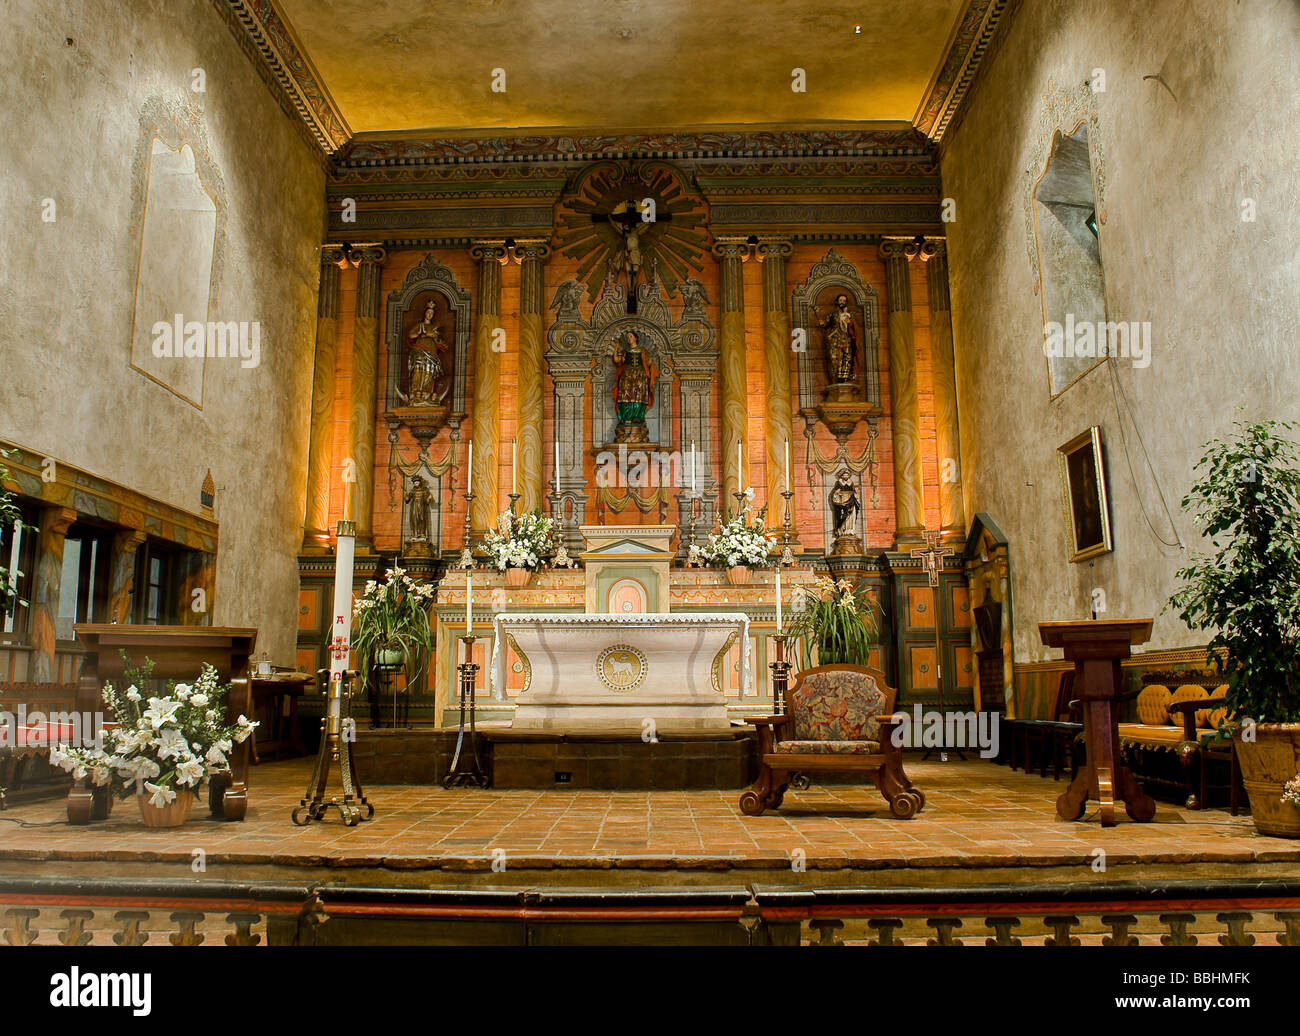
393 616
158 745
1246 501
833 625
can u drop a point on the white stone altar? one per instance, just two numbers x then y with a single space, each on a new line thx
612 673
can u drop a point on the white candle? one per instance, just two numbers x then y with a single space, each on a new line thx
513 454
692 465
778 596
341 640
557 465
740 467
787 465
469 602
469 476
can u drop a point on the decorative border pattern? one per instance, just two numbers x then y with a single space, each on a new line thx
971 44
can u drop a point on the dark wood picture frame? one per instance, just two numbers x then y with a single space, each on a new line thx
1083 495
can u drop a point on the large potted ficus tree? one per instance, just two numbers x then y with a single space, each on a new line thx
1246 502
833 625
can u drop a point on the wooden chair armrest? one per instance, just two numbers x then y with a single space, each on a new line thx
768 721
1189 709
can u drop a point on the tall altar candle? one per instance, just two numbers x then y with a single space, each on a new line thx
740 466
469 475
557 465
692 465
341 638
787 465
778 596
513 455
469 602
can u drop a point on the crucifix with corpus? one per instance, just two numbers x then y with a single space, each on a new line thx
931 557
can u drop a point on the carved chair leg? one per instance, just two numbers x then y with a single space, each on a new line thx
1189 756
755 800
904 800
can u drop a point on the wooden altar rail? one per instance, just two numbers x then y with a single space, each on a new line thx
189 912
16 663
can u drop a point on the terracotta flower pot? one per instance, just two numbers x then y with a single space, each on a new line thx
738 576
1267 763
172 815
517 577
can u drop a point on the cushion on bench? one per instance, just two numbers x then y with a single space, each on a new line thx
828 747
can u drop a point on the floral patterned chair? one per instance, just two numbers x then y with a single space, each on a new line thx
837 718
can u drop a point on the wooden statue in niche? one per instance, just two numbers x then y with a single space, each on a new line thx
839 329
426 382
634 378
845 509
418 519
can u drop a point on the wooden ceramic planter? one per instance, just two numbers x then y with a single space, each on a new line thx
517 577
171 815
1267 763
738 576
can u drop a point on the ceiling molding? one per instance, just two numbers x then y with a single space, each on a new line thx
267 39
971 43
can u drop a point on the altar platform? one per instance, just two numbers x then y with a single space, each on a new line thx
989 844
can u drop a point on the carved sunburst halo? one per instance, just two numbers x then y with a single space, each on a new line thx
612 198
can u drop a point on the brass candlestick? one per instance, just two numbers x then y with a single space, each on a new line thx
692 551
338 731
787 537
467 551
780 676
561 559
466 767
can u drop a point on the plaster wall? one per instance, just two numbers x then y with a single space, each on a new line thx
74 82
1175 160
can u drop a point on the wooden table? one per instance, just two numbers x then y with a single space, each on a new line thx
273 691
1096 647
177 653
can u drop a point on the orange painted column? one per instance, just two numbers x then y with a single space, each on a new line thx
48 574
316 518
731 252
909 518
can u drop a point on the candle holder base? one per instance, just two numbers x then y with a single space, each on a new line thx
466 767
337 735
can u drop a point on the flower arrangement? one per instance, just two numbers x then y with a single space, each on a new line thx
393 616
521 540
1291 793
740 540
835 622
159 746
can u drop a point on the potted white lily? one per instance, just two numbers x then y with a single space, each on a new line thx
159 747
520 544
740 543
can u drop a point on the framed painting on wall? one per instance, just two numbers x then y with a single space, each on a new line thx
1083 489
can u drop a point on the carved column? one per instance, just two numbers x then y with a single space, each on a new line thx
316 537
952 509
731 252
121 573
487 387
365 387
776 362
55 522
909 515
532 343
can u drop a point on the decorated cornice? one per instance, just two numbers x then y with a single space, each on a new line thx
570 148
981 28
283 64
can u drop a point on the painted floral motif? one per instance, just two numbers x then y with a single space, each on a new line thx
836 706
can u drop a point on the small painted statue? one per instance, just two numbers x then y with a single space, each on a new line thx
840 333
423 364
845 507
633 387
418 515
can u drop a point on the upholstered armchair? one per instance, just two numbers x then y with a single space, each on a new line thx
837 718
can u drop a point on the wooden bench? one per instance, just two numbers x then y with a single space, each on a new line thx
1179 713
837 718
32 705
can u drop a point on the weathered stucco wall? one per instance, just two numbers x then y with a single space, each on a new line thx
71 113
1178 158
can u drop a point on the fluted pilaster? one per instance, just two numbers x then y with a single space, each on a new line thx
731 252
773 253
532 256
316 535
487 383
365 388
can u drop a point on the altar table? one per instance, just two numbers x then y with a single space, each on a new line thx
613 673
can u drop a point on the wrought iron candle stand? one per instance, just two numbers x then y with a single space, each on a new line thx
338 731
467 551
466 767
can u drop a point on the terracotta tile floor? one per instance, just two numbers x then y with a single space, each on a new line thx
977 814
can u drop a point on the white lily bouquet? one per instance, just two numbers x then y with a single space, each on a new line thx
521 540
159 746
741 540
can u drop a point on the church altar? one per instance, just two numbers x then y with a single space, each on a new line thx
612 672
